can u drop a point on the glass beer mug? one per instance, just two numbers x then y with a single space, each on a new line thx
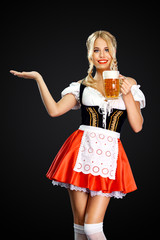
111 84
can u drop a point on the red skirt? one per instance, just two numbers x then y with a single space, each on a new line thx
61 170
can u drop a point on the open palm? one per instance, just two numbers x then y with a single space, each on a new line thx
27 75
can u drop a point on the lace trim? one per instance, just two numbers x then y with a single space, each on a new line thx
98 153
115 194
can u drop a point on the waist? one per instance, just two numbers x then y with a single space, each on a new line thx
96 117
99 130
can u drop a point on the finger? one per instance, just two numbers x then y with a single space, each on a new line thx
124 84
125 89
121 79
121 75
127 82
123 92
16 73
13 72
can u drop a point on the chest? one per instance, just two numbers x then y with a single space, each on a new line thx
94 97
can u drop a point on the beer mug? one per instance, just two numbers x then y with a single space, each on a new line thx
111 84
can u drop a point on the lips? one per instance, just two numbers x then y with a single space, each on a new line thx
102 61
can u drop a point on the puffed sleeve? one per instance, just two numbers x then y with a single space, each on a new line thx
138 95
74 88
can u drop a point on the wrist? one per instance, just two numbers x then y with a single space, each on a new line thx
127 96
38 78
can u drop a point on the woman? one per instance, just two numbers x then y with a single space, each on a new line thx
92 163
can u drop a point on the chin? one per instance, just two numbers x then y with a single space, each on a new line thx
103 68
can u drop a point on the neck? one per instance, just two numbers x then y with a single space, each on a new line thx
98 75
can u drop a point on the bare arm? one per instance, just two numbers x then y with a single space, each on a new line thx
53 108
133 112
133 108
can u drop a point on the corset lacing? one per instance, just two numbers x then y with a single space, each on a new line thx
105 109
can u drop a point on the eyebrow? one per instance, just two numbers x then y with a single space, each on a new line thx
98 47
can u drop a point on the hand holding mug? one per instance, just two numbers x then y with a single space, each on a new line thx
125 85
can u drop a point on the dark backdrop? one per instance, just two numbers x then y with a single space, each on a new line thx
51 40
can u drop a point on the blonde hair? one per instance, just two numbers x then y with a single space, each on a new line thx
112 46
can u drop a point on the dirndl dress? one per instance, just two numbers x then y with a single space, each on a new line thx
93 159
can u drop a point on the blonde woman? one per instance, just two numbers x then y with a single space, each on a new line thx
92 163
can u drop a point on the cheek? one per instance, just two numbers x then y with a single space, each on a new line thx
109 57
94 59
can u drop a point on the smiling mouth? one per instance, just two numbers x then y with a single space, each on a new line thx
102 61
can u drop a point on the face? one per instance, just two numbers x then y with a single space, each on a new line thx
101 57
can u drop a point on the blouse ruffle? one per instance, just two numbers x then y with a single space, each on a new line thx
74 88
138 95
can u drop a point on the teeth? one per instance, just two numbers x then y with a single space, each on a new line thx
102 61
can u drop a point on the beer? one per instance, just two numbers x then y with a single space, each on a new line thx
111 84
111 88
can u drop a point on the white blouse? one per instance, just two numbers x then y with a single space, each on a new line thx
92 97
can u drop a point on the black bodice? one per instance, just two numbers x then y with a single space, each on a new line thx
94 116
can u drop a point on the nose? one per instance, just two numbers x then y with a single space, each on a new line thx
102 54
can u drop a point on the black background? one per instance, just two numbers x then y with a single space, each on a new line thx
51 40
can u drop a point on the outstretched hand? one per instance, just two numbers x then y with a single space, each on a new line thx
27 75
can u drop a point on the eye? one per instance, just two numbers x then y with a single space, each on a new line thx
96 50
106 49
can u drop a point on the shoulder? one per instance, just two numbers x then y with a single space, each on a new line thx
82 80
131 80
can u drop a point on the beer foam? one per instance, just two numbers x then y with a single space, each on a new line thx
110 74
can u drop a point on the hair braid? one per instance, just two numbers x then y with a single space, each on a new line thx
89 80
114 64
